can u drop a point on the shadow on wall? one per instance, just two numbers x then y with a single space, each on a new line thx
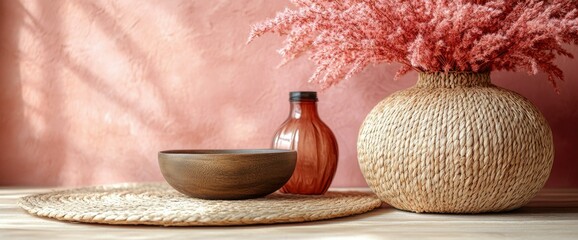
18 116
10 86
35 120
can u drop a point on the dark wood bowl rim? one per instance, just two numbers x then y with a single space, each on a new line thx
181 152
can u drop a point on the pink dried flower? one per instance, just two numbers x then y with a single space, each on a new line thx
345 36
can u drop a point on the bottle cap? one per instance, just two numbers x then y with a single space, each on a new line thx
303 96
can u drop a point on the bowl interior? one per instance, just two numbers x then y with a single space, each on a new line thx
224 151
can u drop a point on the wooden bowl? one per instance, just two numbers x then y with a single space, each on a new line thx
227 174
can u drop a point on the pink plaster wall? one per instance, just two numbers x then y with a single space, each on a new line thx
91 90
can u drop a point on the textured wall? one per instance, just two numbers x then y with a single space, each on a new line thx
91 90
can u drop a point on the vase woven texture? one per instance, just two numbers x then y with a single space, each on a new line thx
455 143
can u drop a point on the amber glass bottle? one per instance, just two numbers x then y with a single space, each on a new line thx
314 142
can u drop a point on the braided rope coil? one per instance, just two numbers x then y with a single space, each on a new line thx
159 204
455 143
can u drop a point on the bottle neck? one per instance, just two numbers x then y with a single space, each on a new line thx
303 110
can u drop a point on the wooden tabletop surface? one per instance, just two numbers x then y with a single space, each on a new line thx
553 214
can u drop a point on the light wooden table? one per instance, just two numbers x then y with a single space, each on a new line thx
553 214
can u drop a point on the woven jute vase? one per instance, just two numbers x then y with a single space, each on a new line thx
455 143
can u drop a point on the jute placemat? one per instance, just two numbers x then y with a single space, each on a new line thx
159 204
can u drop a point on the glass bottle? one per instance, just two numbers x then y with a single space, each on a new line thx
314 142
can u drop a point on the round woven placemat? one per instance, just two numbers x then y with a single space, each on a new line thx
159 204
